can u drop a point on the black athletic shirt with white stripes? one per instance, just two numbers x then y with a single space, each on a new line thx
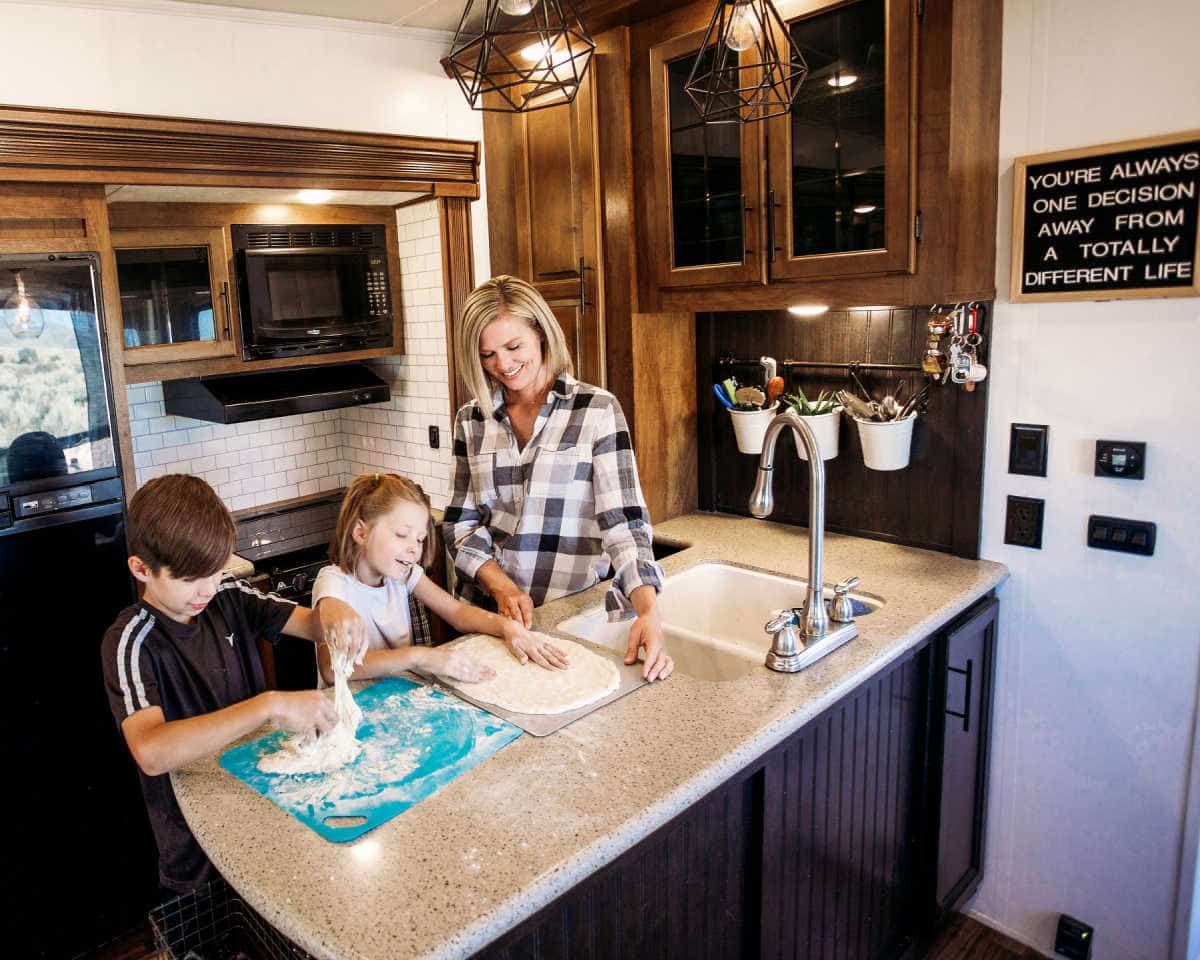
188 669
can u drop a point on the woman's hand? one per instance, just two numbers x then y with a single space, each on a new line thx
526 646
646 632
454 665
514 604
343 628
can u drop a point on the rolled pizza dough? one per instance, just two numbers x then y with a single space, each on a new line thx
529 688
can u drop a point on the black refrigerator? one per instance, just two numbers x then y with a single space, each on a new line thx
79 859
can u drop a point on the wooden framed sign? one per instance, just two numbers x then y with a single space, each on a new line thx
1114 221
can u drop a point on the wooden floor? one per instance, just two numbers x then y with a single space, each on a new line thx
965 939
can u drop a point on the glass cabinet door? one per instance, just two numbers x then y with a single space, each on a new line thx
841 161
707 180
175 298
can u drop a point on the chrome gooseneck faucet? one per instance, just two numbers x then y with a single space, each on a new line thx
801 637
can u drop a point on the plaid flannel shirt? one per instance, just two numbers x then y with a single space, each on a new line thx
558 515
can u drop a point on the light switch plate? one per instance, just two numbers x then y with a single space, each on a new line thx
1027 449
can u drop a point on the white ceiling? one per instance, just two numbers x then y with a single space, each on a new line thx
428 14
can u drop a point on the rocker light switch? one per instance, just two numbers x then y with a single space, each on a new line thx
1027 443
1125 536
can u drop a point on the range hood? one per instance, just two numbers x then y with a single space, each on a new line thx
236 398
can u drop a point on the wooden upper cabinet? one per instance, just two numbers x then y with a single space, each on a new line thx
544 221
841 163
707 181
175 294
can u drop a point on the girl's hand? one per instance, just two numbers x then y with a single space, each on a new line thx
646 631
342 627
455 665
514 604
525 646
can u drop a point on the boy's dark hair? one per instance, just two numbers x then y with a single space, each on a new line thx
178 522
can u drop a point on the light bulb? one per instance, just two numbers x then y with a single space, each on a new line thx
517 8
742 29
25 318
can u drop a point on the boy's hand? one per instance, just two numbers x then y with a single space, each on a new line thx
342 627
306 712
455 665
526 646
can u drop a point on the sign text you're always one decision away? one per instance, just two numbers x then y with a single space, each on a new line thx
1119 221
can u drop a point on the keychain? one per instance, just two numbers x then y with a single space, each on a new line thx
934 362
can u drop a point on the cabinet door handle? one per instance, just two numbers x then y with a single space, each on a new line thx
965 716
583 302
228 311
771 208
746 208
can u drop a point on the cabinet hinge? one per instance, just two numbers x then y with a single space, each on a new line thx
918 226
920 10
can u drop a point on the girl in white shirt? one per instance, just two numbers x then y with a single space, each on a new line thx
381 545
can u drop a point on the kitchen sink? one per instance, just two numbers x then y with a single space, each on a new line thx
713 616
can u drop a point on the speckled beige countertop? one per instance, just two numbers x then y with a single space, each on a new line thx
452 873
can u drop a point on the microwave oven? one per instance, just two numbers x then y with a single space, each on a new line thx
306 289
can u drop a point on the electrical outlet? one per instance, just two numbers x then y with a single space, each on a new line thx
1073 938
435 439
1023 522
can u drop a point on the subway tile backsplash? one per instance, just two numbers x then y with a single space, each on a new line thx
261 462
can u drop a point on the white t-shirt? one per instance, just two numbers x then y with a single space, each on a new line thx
383 608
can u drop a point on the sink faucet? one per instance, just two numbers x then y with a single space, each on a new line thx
800 637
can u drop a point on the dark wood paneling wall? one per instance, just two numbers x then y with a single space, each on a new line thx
840 853
681 894
934 503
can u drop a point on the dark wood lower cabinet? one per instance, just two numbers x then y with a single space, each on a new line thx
960 781
847 841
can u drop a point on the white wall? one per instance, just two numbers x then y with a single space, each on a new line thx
1098 653
394 436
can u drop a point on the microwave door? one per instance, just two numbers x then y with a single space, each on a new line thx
306 296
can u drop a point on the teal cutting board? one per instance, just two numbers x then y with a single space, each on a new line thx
414 740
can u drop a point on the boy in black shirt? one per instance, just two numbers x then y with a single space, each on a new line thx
182 667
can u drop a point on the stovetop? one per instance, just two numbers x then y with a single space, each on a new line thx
289 545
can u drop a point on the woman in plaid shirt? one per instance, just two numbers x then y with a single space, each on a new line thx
546 496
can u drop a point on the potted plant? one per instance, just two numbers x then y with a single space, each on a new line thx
824 417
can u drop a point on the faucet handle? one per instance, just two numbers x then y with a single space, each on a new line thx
841 607
846 586
782 619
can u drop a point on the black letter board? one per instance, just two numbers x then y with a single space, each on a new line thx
1108 222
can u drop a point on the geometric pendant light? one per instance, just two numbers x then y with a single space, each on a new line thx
724 90
514 56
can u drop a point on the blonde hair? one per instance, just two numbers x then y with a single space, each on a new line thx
514 298
369 497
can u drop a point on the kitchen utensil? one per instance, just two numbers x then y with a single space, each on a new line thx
915 401
750 395
858 409
541 725
774 389
731 387
721 396
414 740
858 383
770 368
